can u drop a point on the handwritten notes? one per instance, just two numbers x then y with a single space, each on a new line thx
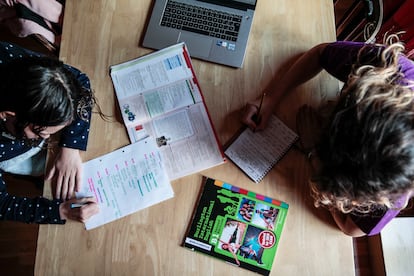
125 181
256 153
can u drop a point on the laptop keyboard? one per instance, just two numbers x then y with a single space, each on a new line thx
201 20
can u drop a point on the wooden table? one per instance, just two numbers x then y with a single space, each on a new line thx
100 33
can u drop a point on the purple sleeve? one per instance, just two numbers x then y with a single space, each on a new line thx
338 58
373 223
407 68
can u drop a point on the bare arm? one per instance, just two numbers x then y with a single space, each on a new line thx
303 69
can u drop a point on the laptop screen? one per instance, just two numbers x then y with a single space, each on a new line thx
237 4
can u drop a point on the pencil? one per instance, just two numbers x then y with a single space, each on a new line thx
257 119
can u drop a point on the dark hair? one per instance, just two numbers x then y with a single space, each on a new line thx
40 90
367 150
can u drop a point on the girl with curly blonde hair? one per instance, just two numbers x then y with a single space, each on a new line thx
363 153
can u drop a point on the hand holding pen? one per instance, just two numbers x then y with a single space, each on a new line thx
79 209
255 114
257 117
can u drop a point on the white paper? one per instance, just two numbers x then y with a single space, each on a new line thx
154 84
256 153
159 96
125 181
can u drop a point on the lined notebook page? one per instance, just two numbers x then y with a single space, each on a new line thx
255 153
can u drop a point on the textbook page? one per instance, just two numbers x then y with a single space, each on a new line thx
125 181
159 96
155 84
185 139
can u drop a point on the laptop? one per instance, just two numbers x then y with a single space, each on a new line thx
213 30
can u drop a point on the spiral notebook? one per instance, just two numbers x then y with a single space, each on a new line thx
255 153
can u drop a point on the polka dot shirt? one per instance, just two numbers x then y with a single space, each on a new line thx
37 210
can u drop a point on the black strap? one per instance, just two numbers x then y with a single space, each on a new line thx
23 12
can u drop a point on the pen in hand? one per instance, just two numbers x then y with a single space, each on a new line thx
84 201
256 117
76 205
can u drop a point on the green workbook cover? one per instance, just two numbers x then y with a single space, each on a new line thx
238 226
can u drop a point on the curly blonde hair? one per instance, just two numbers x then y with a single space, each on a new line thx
367 149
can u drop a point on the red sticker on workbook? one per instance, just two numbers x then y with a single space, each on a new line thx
267 239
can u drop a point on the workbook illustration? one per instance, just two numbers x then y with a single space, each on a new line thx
159 96
237 226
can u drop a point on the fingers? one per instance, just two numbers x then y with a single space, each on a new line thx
50 173
58 187
71 187
250 112
80 209
253 120
78 180
62 187
64 190
66 173
88 211
262 122
87 200
66 184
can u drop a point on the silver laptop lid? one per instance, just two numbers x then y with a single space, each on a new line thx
213 30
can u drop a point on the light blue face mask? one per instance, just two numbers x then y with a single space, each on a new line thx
32 162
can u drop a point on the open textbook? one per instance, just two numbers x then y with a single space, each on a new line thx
125 181
159 96
236 225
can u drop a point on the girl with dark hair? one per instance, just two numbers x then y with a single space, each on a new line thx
41 96
363 153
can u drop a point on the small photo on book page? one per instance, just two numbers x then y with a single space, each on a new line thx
255 153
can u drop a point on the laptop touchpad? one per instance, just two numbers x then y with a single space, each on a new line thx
197 46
